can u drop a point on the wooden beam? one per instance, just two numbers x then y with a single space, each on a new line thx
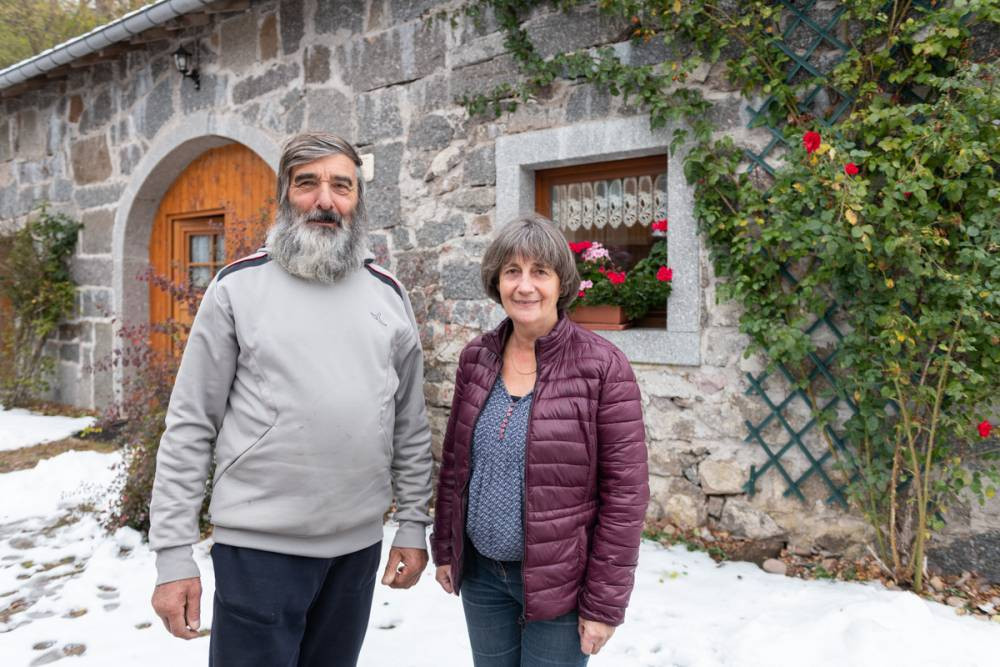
193 20
93 59
151 35
59 72
227 6
23 87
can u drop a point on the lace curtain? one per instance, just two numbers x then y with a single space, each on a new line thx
621 202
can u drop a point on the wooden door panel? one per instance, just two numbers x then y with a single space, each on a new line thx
228 188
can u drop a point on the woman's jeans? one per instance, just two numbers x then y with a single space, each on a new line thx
493 599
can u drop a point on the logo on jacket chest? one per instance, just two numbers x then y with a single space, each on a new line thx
377 316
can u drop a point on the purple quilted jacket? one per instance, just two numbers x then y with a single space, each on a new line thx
585 480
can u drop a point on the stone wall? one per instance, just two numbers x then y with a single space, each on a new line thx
387 75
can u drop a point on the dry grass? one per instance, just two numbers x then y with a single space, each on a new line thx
28 457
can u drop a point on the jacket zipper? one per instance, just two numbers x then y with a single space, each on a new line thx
524 487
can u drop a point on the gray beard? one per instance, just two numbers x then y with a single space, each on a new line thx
322 254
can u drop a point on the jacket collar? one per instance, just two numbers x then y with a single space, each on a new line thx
547 348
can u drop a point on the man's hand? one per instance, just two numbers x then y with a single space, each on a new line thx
178 604
404 567
443 576
594 635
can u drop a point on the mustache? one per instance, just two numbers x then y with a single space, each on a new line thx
325 216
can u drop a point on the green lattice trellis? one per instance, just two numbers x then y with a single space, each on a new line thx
800 65
822 368
790 438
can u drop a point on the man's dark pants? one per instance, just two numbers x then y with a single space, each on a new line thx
276 610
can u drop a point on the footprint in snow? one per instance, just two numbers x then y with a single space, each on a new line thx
58 654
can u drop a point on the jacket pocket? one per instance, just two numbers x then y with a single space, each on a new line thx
239 457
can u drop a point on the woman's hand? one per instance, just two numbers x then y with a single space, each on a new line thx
593 634
443 576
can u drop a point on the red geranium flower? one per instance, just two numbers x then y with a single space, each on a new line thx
602 270
907 194
851 169
616 277
665 274
659 225
811 140
580 246
984 429
581 294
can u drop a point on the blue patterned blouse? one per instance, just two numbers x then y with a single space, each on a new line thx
496 487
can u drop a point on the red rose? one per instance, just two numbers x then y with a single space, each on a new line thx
984 429
665 274
851 169
616 277
811 140
659 225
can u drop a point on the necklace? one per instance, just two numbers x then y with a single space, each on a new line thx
518 370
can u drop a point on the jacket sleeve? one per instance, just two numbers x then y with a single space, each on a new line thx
411 461
623 491
444 505
194 417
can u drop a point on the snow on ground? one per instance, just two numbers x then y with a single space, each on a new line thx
20 428
88 591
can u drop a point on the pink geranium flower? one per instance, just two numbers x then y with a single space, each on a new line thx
595 252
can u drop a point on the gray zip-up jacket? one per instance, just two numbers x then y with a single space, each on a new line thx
311 395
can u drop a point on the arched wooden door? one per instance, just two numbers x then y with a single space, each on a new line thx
216 211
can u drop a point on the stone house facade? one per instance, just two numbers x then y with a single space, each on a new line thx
104 137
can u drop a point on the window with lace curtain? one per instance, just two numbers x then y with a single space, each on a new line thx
614 203
527 166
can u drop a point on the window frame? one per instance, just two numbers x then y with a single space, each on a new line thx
186 225
518 157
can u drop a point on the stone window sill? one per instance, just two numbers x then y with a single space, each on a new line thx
654 346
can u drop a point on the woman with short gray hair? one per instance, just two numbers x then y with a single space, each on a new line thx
544 484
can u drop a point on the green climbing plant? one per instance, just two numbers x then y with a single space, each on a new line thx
891 211
38 293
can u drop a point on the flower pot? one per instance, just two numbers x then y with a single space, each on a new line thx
607 318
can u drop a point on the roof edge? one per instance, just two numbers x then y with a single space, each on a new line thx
127 26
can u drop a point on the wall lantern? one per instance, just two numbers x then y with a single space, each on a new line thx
187 65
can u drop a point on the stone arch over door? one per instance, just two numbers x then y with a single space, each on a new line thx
175 147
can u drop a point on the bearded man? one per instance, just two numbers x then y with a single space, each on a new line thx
303 374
